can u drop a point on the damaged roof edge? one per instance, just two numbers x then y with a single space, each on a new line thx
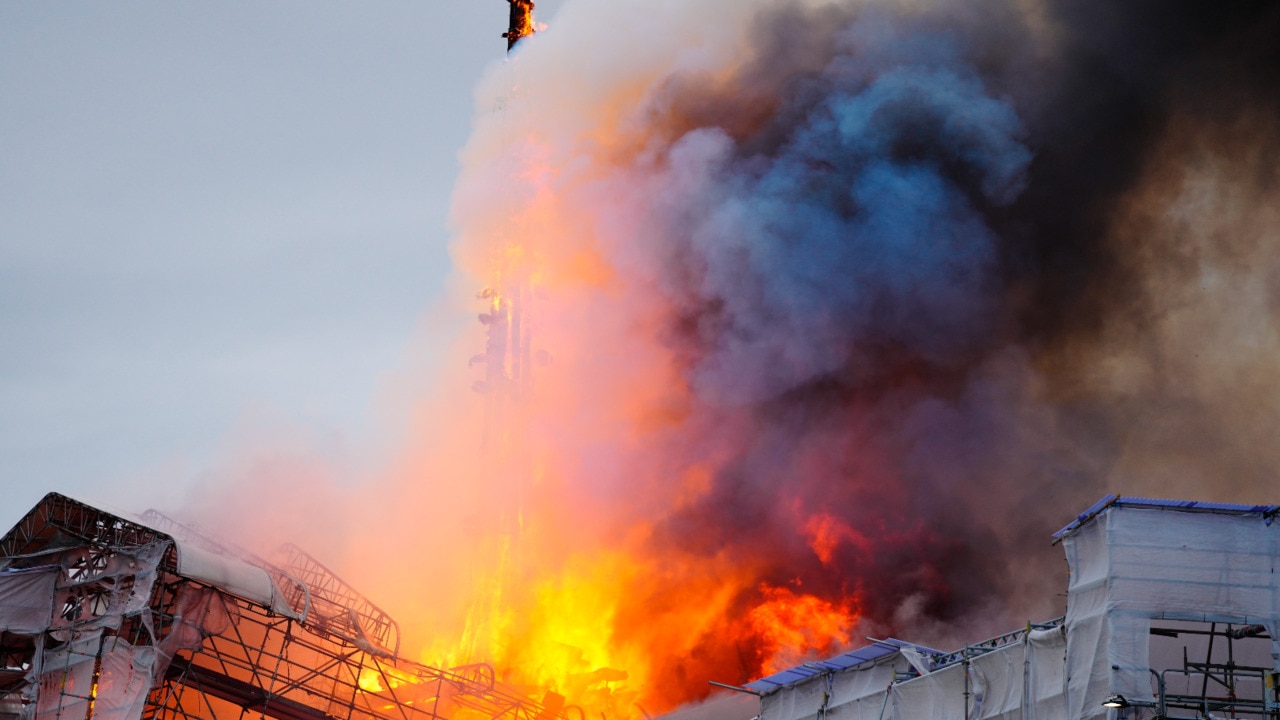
234 576
110 526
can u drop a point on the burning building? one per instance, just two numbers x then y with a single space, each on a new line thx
824 282
1173 610
827 284
108 617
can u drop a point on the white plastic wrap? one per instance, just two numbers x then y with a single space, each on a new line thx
1044 682
232 575
64 677
26 600
872 707
940 695
996 682
803 700
124 681
1023 680
1131 565
847 687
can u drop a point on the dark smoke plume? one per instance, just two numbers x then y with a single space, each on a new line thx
914 260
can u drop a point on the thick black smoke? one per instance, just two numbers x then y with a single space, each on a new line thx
929 256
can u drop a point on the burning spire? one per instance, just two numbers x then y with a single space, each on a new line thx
521 22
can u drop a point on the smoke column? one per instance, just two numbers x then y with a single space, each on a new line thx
849 306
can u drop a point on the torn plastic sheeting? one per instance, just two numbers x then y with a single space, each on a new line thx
199 613
86 565
233 576
124 681
64 679
98 586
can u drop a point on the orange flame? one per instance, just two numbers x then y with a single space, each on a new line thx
794 628
546 561
826 533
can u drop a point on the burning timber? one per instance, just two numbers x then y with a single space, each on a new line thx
109 618
1173 611
521 23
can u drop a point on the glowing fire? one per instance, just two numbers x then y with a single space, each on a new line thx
576 558
826 533
793 628
372 679
521 21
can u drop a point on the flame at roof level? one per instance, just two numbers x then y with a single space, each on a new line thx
1173 581
116 618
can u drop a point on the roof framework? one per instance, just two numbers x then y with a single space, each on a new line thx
109 618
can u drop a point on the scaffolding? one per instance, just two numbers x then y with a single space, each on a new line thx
109 618
1173 613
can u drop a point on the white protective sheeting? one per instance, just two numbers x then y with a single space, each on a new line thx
124 681
1022 680
996 682
1131 565
848 687
26 600
199 613
64 679
803 700
940 695
864 694
871 707
233 576
858 693
1044 682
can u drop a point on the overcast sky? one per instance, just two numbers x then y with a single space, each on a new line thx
213 217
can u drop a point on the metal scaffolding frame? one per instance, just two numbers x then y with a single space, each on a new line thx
125 637
1224 683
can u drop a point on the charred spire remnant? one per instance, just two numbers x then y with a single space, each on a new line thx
521 22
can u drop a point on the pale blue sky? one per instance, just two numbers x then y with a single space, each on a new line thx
213 216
